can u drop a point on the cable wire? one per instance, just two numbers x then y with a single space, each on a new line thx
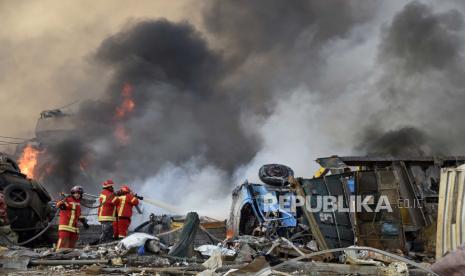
33 238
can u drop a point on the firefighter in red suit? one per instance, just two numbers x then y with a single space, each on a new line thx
70 213
107 210
127 200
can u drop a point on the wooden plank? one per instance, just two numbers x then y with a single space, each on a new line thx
440 218
459 207
320 268
453 238
449 199
214 224
314 228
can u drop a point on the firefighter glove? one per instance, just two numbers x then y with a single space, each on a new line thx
61 205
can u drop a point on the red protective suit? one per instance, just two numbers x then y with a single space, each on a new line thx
124 212
108 202
70 213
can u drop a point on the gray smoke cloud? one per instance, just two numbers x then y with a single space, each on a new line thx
180 110
190 98
268 82
278 45
403 142
422 80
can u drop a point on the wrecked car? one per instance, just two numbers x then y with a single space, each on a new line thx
28 205
255 208
265 209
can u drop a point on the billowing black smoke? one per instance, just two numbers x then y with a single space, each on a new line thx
179 110
421 85
421 40
402 142
64 163
175 97
277 45
190 99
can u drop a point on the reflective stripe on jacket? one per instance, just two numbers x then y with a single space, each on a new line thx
126 202
107 210
70 215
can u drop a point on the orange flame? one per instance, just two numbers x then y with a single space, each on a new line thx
28 161
128 103
229 234
126 107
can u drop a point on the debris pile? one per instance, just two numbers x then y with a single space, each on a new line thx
142 253
280 228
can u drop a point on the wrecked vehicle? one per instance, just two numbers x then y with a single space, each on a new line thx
411 186
54 125
250 214
28 205
257 209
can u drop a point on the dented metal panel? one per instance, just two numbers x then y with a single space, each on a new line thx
335 226
380 229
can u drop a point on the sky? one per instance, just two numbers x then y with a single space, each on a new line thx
45 49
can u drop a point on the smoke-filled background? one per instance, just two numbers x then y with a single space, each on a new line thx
185 100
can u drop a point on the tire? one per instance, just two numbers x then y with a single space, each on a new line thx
275 174
17 196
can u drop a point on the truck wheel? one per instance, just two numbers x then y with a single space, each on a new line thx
275 174
17 196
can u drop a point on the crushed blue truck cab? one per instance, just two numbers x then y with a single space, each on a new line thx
262 203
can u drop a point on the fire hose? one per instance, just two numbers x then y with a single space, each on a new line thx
93 207
63 195
34 237
163 205
100 205
50 224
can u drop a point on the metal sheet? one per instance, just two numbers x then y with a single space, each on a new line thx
375 228
338 231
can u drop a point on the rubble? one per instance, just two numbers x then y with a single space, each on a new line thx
135 240
276 242
256 259
209 249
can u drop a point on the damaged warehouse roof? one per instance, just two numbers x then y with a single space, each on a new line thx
348 161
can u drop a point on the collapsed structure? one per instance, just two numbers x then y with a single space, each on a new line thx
425 196
424 220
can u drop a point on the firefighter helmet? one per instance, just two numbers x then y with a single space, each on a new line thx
125 189
77 189
108 183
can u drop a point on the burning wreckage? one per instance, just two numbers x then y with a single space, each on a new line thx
333 219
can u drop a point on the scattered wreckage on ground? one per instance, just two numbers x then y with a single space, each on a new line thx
422 234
